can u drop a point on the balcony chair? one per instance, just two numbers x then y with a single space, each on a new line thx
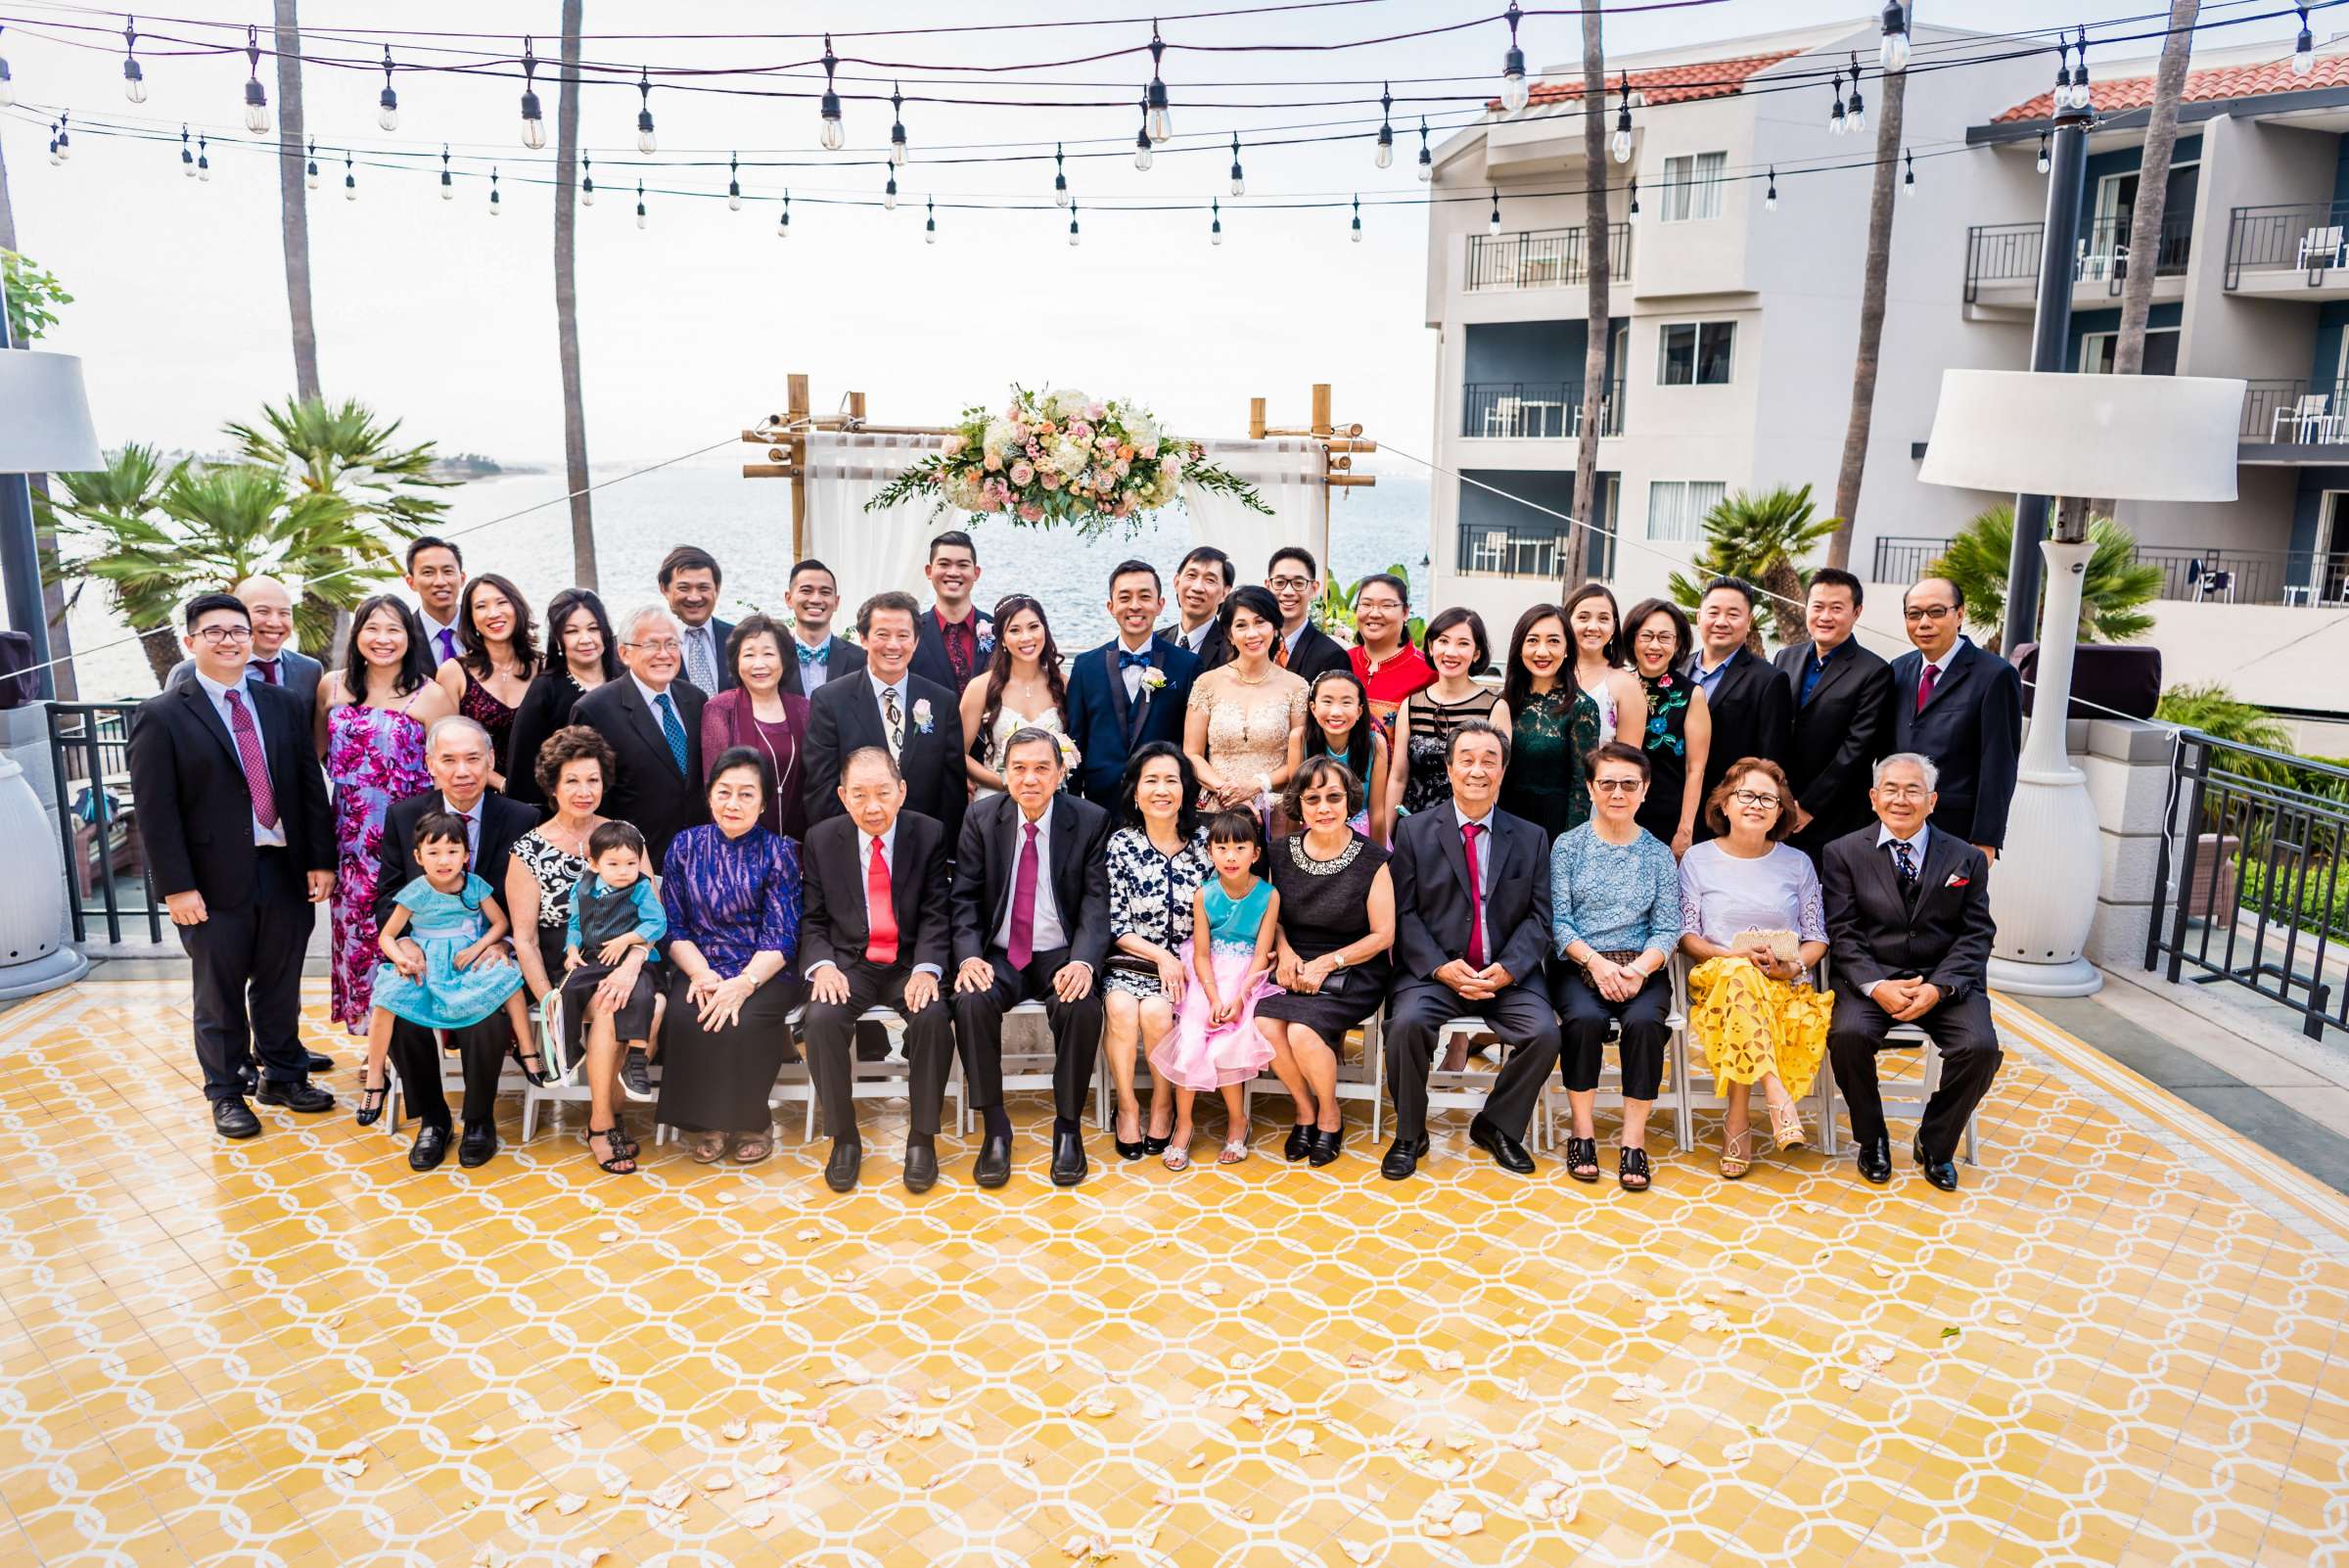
2309 417
2322 248
1503 418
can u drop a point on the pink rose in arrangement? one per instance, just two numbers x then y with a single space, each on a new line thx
1051 481
1148 448
954 445
1029 512
1079 431
995 461
1096 412
1023 475
1124 468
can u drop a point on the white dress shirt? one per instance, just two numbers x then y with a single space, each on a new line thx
1483 891
1132 675
273 837
1885 837
813 673
702 656
1049 933
432 634
904 708
472 826
886 843
1195 637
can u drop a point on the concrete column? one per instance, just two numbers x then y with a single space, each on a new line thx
2128 766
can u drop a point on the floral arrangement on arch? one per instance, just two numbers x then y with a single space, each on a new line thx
1063 456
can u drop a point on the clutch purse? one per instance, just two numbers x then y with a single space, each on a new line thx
1784 945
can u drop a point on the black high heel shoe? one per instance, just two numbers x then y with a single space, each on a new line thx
1128 1151
1322 1147
537 1075
373 1100
1300 1143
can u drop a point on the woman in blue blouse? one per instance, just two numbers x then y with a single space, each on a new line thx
1615 911
731 891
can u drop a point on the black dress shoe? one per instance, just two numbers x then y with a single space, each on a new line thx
840 1170
306 1098
234 1119
430 1148
320 1063
1322 1147
1301 1142
1875 1159
1403 1159
993 1166
1943 1173
1506 1151
1068 1157
479 1144
249 1073
921 1164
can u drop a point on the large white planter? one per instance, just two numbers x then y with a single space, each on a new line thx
33 954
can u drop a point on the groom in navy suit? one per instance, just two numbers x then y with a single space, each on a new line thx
1130 690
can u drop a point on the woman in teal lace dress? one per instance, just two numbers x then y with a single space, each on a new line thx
1550 729
1679 729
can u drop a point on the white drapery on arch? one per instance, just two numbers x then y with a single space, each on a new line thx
1290 474
868 551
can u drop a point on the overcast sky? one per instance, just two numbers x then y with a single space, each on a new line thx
439 314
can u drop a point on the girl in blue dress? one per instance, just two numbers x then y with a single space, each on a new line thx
1214 1043
463 974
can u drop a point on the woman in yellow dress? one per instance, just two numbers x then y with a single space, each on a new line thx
1753 921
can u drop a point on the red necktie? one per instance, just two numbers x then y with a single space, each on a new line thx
1924 688
256 763
1476 896
1023 903
268 669
880 911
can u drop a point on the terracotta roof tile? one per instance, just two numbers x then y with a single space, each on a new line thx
1670 84
2219 83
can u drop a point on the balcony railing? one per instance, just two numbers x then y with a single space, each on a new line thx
1534 410
2009 253
1542 258
2286 237
1537 551
2295 413
2223 575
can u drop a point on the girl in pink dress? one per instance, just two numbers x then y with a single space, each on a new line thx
1214 1043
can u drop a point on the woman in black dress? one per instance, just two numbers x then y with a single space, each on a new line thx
1678 729
1337 922
580 655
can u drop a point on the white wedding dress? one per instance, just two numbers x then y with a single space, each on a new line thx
1008 724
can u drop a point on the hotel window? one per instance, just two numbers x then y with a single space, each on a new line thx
1676 508
1692 186
1694 353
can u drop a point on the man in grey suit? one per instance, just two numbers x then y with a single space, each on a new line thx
273 664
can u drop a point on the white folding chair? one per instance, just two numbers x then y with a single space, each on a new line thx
890 1077
1899 1099
1024 1071
2322 247
1820 1102
791 1083
1362 1078
1609 1096
2303 414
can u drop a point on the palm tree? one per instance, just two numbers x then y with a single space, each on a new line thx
2153 190
1580 548
128 493
32 295
1892 92
1759 540
2111 593
566 304
294 201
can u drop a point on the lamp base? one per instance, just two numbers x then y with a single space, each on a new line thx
2043 890
46 973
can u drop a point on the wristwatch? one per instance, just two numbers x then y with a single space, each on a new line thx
1337 964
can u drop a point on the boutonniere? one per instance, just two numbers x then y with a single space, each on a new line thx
987 641
1958 880
921 715
1154 679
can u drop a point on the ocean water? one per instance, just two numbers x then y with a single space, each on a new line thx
746 524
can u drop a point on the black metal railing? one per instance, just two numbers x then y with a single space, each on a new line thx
106 861
2002 253
1905 560
2219 573
2295 413
1536 551
2287 237
1543 258
1535 410
2009 253
2250 886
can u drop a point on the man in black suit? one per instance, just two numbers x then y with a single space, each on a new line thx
240 841
818 657
1201 583
917 721
1839 692
1304 649
1030 912
1471 927
653 722
1130 690
873 931
1744 695
957 638
458 752
1910 931
689 582
1964 708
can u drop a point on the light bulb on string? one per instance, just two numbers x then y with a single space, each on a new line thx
1856 117
2042 152
387 110
1141 141
1908 180
1358 221
55 158
2082 96
930 224
1427 160
256 101
640 204
1060 178
783 223
896 130
1770 195
203 161
2304 48
1157 118
586 181
1386 130
1634 213
1073 236
1621 145
1493 226
835 134
534 122
1239 181
448 185
1515 91
733 182
309 173
64 136
889 193
645 143
187 154
2062 97
134 75
494 208
350 177
1835 126
1893 53
1214 221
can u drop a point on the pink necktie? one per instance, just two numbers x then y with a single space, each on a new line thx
880 911
250 754
268 669
1476 896
1023 903
1924 688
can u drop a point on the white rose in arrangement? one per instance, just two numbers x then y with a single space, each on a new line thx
997 437
1064 402
954 445
1067 456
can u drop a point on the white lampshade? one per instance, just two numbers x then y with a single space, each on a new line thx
2110 438
45 415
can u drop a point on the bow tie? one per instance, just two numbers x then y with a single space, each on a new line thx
1134 661
815 656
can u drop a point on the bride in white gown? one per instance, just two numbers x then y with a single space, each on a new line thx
1022 689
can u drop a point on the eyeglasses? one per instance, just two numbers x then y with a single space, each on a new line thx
1928 612
1754 798
1657 639
1289 584
1618 786
1903 791
1390 606
222 637
657 645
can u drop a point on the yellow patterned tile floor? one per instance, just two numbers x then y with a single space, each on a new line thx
2107 1347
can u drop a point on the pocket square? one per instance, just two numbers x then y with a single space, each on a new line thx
1958 880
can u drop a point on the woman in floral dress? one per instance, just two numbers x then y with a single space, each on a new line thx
1157 864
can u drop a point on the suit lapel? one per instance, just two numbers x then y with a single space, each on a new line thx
1117 687
199 702
1064 863
640 713
1959 666
1829 675
1454 847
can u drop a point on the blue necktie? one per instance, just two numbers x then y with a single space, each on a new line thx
809 657
1134 661
674 728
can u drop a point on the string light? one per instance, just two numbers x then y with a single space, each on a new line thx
1493 226
1908 180
1515 92
8 85
1634 213
1835 126
2081 97
534 124
644 114
1427 161
134 77
640 204
587 183
1142 159
2042 152
309 175
350 177
889 193
1622 145
1386 129
187 154
1893 53
1770 197
1214 221
733 182
1358 221
835 135
897 131
448 185
204 162
494 208
930 224
1856 120
54 156
256 101
1060 178
64 136
783 223
1071 224
2062 98
1239 181
2304 48
1157 120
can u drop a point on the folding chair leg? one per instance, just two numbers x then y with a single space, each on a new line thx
1374 1040
1685 1122
529 1116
